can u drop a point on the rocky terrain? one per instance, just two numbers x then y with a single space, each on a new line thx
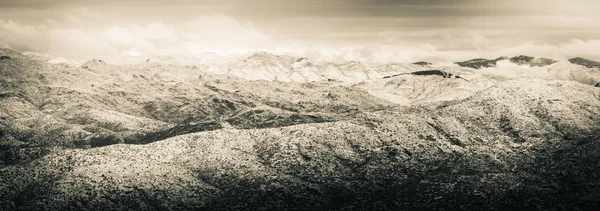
276 132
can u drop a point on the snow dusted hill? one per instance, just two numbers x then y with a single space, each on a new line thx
521 144
280 132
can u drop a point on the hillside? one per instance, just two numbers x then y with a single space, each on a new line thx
97 104
532 151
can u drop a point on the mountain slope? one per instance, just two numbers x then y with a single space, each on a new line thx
534 150
350 136
97 104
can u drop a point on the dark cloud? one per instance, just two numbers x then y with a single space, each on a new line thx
402 8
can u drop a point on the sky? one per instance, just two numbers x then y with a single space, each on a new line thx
363 30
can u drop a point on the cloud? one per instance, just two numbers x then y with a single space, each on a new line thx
83 34
572 48
223 34
77 35
561 51
18 36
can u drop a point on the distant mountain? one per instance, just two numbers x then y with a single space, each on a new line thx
532 61
481 63
284 68
585 62
519 60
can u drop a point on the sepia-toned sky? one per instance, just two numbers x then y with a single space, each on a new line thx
367 30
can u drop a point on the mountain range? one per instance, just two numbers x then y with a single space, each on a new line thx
279 132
